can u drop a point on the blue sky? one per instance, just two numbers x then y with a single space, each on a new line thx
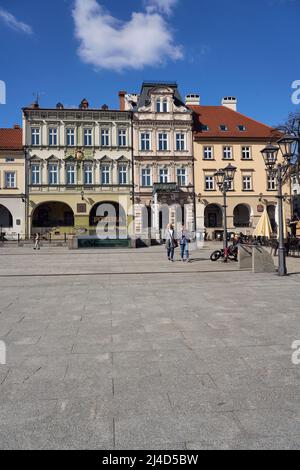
70 49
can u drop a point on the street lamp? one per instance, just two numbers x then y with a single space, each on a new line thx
224 179
289 146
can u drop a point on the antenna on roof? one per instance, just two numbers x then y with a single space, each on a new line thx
36 97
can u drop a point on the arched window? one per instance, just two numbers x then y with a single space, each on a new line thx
158 106
165 105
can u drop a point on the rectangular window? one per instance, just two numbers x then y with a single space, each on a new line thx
53 174
146 177
35 174
247 183
181 176
52 136
209 183
105 174
35 136
105 138
88 138
163 175
10 179
246 153
145 141
180 142
158 106
122 138
88 174
71 137
9 159
71 174
272 184
163 141
227 153
208 153
122 174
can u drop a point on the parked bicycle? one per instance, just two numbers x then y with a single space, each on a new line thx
232 254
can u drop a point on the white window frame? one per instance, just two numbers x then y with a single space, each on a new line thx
88 169
145 141
163 175
165 105
35 136
105 171
35 174
123 174
271 183
227 153
53 137
163 141
146 175
10 178
158 105
208 153
246 153
210 184
181 175
69 172
88 137
53 171
180 138
105 137
70 136
246 180
122 137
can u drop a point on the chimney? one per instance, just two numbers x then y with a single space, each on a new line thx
122 95
16 126
230 102
192 100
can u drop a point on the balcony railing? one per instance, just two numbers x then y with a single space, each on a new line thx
61 188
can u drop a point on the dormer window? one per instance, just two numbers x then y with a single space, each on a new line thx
241 128
162 105
204 128
223 127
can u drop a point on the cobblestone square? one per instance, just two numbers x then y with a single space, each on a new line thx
120 349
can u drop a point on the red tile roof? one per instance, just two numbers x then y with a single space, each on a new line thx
214 116
11 139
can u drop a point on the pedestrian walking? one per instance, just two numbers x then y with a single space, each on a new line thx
171 242
37 242
184 244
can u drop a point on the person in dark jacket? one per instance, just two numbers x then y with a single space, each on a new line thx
171 242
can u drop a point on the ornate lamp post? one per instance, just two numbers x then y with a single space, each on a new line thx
224 179
289 146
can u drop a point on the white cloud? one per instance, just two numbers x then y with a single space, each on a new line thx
108 43
12 22
163 6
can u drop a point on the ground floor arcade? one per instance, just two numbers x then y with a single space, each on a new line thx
242 215
12 217
79 214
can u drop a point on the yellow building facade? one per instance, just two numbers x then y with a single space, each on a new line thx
79 169
223 136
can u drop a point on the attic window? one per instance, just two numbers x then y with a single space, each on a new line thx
204 127
241 128
223 127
